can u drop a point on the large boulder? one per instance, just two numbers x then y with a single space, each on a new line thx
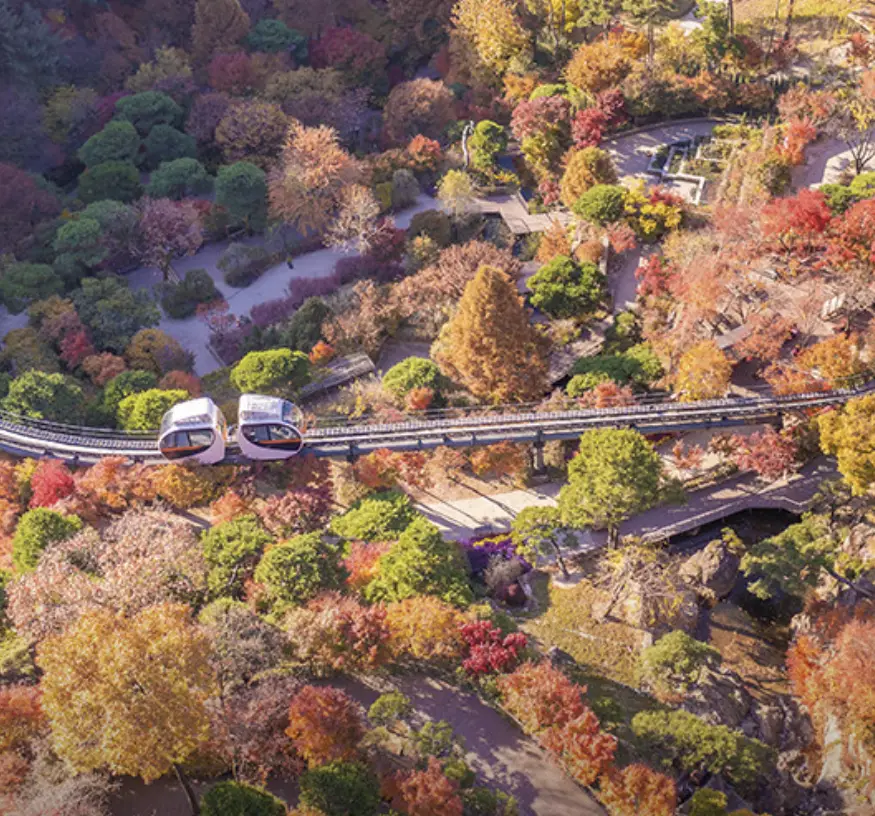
711 572
719 698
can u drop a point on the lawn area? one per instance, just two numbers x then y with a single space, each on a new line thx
563 620
606 655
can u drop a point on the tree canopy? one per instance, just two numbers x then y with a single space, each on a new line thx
615 474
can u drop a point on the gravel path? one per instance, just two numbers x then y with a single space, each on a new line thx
501 756
193 333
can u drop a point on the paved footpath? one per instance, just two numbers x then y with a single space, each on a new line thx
458 519
193 334
496 750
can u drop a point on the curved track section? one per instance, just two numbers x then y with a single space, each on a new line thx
27 437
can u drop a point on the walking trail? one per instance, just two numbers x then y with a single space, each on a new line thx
460 518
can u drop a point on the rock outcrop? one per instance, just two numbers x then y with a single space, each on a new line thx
712 572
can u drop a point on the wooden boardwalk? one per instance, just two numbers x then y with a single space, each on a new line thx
515 213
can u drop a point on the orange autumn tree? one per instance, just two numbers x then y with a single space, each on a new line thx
325 725
425 628
832 673
489 345
554 241
428 792
500 459
305 189
636 790
550 706
21 716
835 359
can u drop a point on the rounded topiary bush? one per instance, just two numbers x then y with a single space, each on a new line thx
272 371
236 799
602 204
341 789
36 530
414 372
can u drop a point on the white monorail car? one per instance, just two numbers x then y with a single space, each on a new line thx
194 431
268 427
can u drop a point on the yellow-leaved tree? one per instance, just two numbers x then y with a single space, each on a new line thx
489 346
128 694
849 435
218 25
703 373
494 31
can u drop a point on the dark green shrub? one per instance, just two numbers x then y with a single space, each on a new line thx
637 364
563 288
24 283
242 264
179 178
488 140
125 384
602 204
236 799
838 197
433 223
39 395
304 329
114 180
36 530
144 410
341 789
274 36
379 517
241 189
118 141
676 661
180 300
414 372
147 109
421 562
297 570
165 144
114 312
273 371
232 550
684 742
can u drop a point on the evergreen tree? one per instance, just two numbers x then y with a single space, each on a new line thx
614 475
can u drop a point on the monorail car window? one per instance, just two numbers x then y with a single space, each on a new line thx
185 443
278 436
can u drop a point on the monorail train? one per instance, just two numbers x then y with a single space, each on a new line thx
268 427
196 431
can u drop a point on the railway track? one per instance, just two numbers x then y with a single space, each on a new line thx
38 438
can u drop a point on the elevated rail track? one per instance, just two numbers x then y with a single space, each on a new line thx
37 438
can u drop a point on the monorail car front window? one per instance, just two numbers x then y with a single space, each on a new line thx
280 436
186 443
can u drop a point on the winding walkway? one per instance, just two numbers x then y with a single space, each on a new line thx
193 334
460 518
